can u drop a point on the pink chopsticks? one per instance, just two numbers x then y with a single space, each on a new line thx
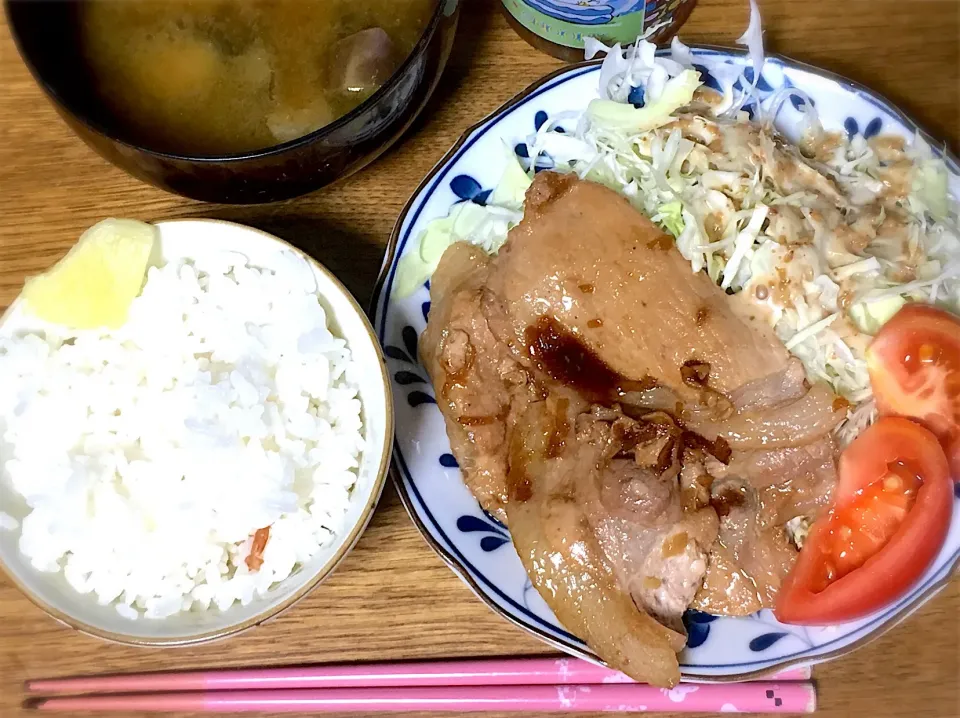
498 671
748 697
517 684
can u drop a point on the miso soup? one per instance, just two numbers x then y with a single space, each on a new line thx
214 77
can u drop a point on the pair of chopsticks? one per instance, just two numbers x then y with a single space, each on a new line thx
513 684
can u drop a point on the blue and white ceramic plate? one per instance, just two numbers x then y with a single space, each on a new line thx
474 544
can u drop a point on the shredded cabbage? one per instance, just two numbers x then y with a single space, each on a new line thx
670 216
483 225
930 188
753 39
869 317
617 116
512 187
826 240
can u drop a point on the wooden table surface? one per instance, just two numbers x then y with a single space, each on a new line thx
393 598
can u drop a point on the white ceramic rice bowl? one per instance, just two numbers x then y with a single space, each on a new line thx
50 591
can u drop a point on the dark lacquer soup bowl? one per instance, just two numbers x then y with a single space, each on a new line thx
48 38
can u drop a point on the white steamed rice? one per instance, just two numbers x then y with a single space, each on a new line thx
149 455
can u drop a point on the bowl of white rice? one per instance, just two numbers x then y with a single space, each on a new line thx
202 467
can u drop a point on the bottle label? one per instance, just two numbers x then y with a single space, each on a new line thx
567 22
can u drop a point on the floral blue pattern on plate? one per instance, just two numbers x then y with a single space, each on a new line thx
475 544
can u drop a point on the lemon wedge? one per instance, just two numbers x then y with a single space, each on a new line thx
95 283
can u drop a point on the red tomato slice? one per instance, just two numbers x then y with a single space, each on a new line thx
914 364
888 522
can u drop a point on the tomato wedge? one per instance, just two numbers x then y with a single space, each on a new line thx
914 365
888 522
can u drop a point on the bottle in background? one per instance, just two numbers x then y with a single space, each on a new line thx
559 26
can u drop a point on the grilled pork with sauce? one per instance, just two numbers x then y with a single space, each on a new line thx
643 435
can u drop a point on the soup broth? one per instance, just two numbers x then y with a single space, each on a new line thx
216 77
